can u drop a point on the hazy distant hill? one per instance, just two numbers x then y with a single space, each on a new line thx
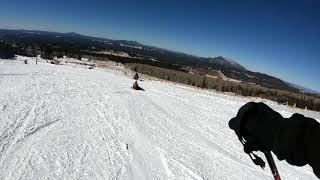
303 89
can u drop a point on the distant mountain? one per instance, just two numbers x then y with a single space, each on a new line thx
78 43
303 89
35 35
226 63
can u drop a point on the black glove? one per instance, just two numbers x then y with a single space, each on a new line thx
257 123
296 139
304 136
289 143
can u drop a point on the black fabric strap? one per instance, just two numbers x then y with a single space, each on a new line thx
255 158
247 146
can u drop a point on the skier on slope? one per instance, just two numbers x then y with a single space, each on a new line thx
136 76
295 139
136 86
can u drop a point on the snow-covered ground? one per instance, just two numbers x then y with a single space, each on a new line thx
66 122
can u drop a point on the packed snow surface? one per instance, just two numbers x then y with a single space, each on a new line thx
68 122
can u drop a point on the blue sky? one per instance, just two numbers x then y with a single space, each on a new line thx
280 38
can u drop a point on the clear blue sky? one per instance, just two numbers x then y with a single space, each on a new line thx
281 38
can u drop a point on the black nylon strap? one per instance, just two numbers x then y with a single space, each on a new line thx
247 146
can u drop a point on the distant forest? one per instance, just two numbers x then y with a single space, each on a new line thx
298 100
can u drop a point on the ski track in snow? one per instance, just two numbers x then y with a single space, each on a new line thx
67 122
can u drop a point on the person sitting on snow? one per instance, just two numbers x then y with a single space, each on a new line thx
136 86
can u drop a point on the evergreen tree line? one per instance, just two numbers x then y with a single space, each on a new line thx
298 100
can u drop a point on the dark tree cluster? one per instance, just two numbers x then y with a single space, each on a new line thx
6 51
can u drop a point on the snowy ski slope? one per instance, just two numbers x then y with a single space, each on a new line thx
64 122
